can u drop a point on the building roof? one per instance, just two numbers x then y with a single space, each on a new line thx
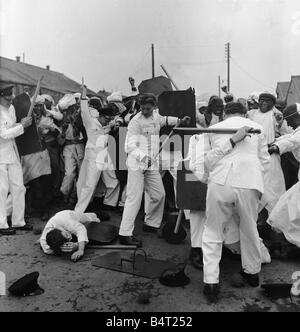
282 89
294 90
15 72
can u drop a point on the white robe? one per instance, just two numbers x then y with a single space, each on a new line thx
274 178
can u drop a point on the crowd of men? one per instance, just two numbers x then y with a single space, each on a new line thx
247 197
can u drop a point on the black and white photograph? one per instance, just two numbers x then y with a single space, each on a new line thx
149 158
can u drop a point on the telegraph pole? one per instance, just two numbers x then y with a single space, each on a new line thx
228 56
153 61
219 86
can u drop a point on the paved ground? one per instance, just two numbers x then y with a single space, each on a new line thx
81 287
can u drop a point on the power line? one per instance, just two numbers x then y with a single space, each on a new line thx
138 67
188 46
251 76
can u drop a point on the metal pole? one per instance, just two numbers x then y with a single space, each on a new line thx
219 86
153 61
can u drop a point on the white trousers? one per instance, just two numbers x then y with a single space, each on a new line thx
222 202
89 176
152 184
73 156
9 205
232 235
231 230
11 181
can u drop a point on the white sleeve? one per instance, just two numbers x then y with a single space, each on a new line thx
288 143
12 132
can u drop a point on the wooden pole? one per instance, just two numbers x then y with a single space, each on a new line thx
37 90
169 77
153 61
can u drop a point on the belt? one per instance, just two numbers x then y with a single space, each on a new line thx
72 142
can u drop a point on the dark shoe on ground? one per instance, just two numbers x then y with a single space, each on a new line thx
130 241
7 232
149 229
196 258
211 292
26 228
252 279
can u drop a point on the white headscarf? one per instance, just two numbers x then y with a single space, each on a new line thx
115 97
67 101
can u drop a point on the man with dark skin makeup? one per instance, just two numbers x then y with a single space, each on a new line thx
215 111
274 125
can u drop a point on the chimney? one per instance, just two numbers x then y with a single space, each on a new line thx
18 58
48 67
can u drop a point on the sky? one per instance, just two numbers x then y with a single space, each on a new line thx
107 41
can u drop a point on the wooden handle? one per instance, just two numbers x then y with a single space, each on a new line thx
37 90
194 131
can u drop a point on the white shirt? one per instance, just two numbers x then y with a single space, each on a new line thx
71 222
143 137
248 161
9 130
98 136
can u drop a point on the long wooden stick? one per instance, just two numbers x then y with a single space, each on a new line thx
37 90
169 77
194 131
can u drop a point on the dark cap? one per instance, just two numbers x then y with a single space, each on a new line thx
6 89
26 286
268 96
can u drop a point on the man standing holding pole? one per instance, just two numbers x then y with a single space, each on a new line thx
142 146
231 190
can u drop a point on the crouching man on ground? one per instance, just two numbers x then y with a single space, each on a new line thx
66 233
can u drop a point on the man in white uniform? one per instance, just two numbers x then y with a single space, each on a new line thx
96 163
142 145
231 190
267 116
11 176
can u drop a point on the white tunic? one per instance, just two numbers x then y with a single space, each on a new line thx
285 216
9 130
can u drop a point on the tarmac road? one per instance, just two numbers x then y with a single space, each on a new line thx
80 287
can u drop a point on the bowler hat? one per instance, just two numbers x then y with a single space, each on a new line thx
26 286
174 278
